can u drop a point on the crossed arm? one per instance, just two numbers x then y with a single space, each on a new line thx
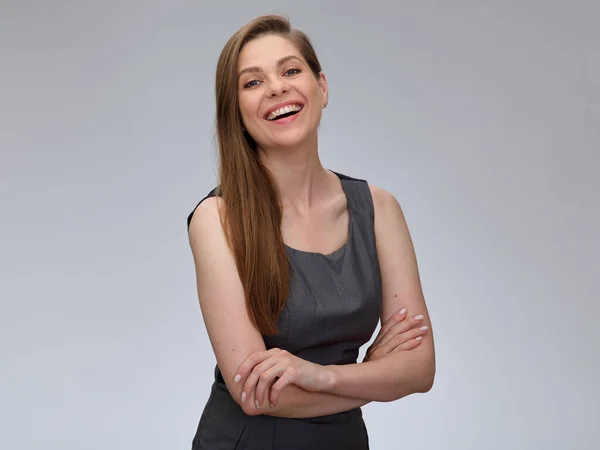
343 387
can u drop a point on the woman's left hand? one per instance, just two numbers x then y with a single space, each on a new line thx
269 371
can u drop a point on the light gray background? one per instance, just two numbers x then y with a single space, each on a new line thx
482 118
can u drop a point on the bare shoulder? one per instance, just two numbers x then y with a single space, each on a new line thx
213 258
385 203
205 215
207 240
379 194
391 229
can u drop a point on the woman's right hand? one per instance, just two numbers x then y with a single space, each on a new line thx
397 333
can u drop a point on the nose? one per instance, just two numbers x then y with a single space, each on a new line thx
276 87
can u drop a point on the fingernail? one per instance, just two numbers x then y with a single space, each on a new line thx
419 317
256 403
272 405
418 338
243 396
402 311
237 378
423 328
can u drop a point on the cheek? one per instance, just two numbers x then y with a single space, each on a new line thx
243 107
248 109
316 97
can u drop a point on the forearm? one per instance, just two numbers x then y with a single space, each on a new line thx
297 403
386 379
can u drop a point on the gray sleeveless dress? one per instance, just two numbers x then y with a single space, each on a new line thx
333 308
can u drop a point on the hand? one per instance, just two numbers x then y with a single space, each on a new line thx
397 333
270 371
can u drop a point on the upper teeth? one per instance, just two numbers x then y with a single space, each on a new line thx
284 110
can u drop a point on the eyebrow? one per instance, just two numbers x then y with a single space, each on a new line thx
280 62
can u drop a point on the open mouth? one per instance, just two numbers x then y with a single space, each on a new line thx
284 112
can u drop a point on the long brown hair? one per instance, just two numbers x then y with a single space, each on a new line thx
252 204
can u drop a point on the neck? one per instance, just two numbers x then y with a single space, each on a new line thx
302 180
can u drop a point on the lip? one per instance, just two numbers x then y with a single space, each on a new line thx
281 105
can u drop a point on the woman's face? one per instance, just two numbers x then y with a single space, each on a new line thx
274 75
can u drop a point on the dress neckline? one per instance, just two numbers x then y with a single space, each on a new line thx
350 222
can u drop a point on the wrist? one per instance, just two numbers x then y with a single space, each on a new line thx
329 378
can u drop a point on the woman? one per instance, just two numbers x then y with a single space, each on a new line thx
296 264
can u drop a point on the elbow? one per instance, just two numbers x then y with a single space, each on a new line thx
426 384
426 379
420 382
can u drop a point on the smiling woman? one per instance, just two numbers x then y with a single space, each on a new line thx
296 264
263 82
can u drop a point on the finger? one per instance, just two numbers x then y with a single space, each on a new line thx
396 318
252 360
403 338
402 327
395 330
265 381
254 377
408 345
286 379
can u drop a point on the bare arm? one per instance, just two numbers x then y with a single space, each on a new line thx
400 373
387 379
231 333
298 403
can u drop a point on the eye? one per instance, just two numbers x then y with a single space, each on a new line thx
294 71
250 84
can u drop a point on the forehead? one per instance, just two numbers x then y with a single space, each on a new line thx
265 51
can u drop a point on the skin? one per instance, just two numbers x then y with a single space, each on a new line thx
274 382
